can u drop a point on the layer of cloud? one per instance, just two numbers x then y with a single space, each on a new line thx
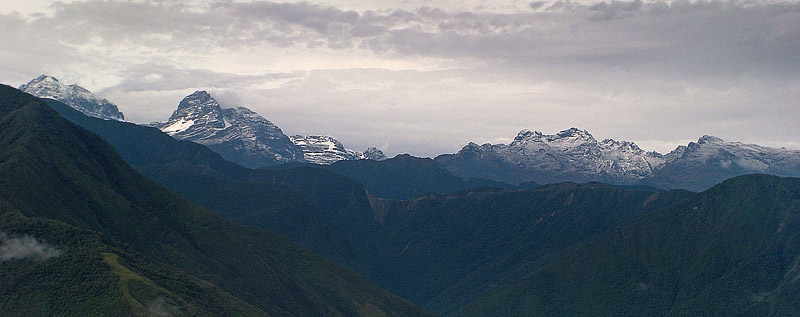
426 80
25 247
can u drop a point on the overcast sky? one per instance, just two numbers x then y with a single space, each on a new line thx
427 77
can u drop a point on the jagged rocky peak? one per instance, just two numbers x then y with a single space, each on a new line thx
199 99
326 150
575 133
373 153
626 146
709 139
238 134
568 135
525 134
197 111
75 96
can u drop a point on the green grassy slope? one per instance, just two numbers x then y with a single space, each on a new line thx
50 168
731 250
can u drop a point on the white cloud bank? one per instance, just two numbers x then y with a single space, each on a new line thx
25 247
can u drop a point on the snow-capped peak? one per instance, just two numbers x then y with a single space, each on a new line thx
75 96
238 134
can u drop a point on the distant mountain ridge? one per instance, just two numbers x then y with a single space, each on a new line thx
73 95
575 155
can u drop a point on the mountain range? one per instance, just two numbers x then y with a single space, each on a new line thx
238 134
574 155
571 155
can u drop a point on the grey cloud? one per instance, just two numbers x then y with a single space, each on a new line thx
536 5
162 76
616 9
25 247
683 33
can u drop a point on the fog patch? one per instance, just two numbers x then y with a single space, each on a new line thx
161 308
25 247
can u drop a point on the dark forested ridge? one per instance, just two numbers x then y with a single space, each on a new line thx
731 250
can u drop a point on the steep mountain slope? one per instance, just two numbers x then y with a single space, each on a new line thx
89 186
238 134
575 155
75 96
325 150
731 250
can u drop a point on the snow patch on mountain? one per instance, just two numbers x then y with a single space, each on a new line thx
326 150
74 96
